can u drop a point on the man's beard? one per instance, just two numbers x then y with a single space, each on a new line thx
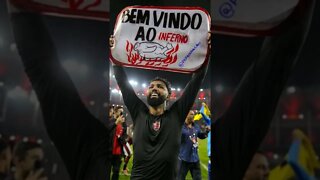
155 102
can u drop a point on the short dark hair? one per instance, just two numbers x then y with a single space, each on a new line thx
166 82
21 148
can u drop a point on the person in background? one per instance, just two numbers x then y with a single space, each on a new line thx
117 129
188 156
302 157
127 151
206 115
111 112
301 162
258 168
28 161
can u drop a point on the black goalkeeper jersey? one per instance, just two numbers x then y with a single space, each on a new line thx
156 150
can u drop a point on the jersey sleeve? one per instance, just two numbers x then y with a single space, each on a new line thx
185 102
131 100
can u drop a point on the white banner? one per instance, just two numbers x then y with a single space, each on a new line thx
249 17
231 17
161 38
87 9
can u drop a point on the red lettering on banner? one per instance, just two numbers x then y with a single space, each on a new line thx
173 37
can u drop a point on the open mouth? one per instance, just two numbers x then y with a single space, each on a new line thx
154 95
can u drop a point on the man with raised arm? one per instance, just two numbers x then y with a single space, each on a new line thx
157 129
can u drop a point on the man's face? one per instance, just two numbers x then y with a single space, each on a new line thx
157 93
190 117
32 155
5 159
258 168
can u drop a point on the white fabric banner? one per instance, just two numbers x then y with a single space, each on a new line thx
249 17
87 9
161 38
231 17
